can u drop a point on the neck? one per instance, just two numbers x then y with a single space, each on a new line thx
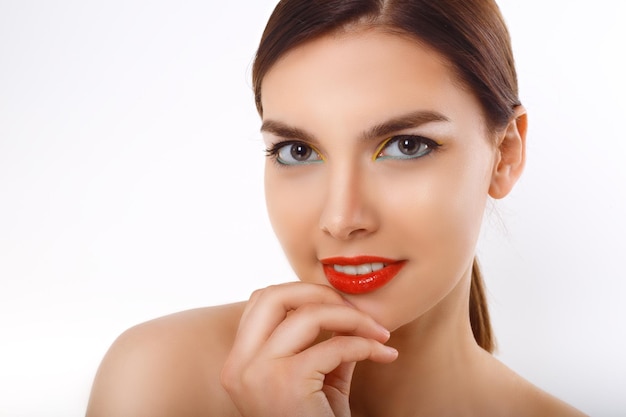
437 357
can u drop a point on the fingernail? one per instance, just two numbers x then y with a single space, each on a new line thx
391 351
384 331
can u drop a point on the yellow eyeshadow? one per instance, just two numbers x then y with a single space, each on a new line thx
380 148
319 153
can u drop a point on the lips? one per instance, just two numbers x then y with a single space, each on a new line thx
360 274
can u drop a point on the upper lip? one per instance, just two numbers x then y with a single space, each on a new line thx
357 260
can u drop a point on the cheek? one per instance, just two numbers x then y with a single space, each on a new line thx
291 206
439 212
433 220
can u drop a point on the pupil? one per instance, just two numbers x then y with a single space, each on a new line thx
408 146
300 152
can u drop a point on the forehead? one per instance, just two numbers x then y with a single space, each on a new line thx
362 74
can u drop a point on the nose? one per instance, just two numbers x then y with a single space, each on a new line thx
348 211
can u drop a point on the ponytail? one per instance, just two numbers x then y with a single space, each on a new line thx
479 312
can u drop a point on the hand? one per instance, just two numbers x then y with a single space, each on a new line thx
276 369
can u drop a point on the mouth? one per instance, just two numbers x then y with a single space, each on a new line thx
361 274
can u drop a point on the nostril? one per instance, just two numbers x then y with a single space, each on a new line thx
348 210
344 229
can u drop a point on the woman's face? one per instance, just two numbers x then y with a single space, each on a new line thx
378 173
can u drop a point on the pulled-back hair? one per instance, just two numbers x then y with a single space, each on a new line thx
470 34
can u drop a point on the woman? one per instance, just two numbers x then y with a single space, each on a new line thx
388 125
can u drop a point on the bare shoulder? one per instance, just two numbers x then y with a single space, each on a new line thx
519 394
168 366
546 404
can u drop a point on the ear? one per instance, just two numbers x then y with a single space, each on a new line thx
510 155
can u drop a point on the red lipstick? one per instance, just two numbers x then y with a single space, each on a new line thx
340 273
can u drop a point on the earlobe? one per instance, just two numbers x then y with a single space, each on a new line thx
510 155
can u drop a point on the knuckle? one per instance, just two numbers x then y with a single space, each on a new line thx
256 294
262 295
307 309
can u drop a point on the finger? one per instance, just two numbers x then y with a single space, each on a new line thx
269 307
300 329
337 388
340 379
329 354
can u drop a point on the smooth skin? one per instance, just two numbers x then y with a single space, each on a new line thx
338 184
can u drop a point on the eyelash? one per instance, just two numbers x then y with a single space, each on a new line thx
430 144
274 150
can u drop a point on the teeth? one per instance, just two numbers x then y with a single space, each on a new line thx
363 269
377 266
359 269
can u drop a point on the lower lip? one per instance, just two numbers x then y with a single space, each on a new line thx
361 284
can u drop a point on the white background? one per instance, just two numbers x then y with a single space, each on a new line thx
131 187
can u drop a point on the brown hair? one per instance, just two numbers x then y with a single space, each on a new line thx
471 34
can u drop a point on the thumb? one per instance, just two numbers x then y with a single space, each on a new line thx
337 388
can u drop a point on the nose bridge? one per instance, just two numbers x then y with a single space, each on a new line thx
346 212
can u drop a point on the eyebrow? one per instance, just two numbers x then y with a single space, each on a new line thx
407 121
384 129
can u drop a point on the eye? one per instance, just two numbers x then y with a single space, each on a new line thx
294 153
406 147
